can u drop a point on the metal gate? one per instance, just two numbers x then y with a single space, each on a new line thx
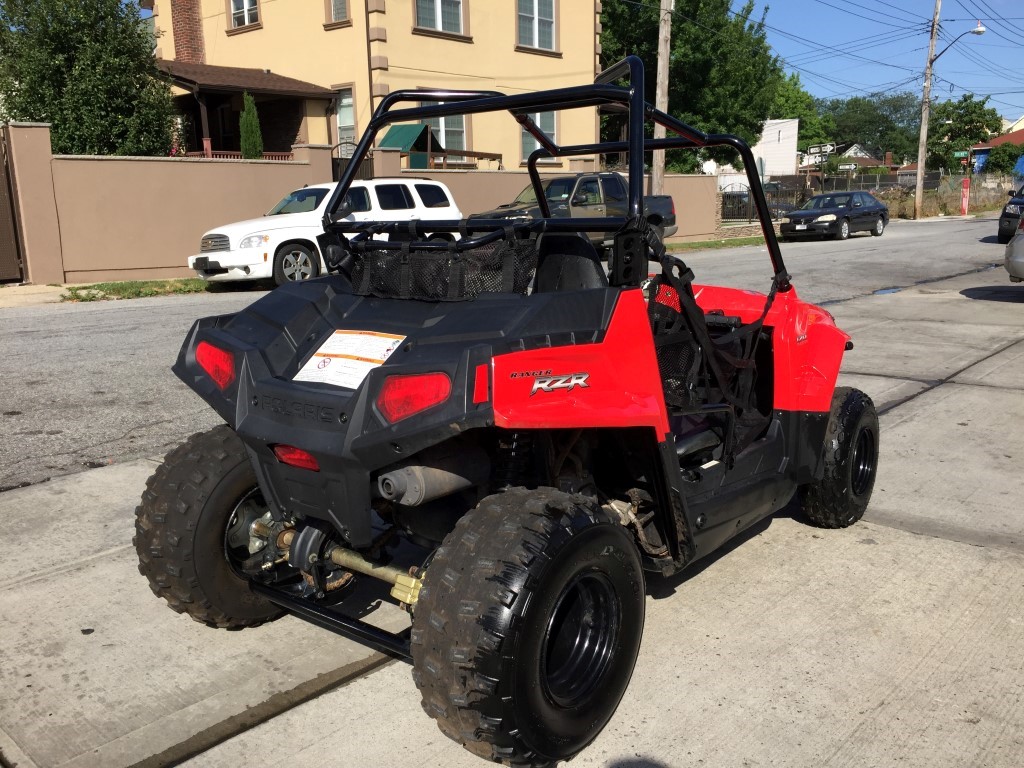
10 255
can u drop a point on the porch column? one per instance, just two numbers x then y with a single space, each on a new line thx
205 121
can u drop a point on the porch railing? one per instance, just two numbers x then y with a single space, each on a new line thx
218 155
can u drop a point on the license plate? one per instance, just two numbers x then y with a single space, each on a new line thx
201 263
800 226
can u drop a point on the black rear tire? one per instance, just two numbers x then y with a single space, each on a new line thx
528 626
839 499
203 487
1004 239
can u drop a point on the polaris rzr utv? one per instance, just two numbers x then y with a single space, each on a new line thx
506 433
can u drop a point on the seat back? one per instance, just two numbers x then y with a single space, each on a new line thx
568 262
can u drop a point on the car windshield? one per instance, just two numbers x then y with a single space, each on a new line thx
555 190
826 201
300 201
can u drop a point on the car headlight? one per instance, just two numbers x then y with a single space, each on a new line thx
1012 210
785 220
827 217
253 241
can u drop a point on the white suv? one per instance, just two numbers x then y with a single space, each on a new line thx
282 243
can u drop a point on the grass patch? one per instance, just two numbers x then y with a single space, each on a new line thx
133 289
707 245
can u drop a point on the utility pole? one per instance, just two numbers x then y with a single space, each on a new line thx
661 93
922 143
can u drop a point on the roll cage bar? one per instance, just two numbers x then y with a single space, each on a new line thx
602 93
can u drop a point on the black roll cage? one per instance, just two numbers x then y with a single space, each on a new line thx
602 93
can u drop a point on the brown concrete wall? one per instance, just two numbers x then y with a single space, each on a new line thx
28 146
88 219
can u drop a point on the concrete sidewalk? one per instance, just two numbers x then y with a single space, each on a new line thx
894 642
98 671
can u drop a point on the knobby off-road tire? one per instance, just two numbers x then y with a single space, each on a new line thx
528 626
839 499
181 526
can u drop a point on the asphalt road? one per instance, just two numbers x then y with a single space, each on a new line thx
88 385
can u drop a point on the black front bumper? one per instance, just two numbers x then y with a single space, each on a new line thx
809 229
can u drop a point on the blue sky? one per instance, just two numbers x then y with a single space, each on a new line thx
842 48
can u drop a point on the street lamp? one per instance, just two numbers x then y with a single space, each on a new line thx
922 144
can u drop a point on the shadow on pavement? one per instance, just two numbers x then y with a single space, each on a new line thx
637 762
989 239
1013 294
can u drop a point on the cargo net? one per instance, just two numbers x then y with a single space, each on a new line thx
507 266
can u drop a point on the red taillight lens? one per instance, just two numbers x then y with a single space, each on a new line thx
402 396
296 457
217 362
481 388
1020 226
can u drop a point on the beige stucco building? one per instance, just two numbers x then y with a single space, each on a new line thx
327 63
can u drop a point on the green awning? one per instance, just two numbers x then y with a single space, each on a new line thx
409 138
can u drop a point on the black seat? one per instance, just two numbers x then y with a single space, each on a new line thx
567 262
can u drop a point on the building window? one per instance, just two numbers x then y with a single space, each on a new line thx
537 24
546 122
442 15
346 123
451 132
339 10
244 13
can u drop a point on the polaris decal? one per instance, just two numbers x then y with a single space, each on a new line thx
568 382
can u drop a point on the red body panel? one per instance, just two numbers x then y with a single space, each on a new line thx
623 385
808 347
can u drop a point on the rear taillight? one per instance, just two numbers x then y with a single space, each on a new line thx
1020 225
405 395
217 362
296 457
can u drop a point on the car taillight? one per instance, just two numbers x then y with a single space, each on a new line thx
1020 224
217 362
296 457
405 395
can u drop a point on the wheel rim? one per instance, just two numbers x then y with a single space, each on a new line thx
863 462
844 230
579 644
879 226
242 547
296 265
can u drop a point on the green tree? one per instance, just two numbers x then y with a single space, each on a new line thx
249 130
1003 158
792 101
722 74
87 68
956 126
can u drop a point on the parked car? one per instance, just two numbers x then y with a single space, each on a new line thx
585 195
1011 215
1014 259
836 215
282 245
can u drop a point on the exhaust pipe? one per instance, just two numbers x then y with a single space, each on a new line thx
436 472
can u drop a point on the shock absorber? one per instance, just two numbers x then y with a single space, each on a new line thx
514 463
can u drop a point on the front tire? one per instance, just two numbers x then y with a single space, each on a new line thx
839 499
528 626
294 263
843 232
196 512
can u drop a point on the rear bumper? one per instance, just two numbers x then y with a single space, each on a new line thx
1014 261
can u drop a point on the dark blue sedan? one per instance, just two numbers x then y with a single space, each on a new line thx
836 215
